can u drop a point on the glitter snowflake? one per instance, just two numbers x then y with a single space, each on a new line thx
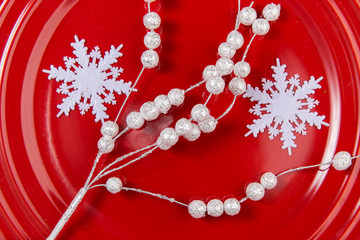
284 107
89 80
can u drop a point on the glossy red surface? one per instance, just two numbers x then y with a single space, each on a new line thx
45 159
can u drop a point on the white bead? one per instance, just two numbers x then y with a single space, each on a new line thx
149 111
208 125
268 180
215 85
161 144
113 185
342 161
176 96
242 69
149 1
152 40
247 16
255 191
162 103
235 39
150 59
194 133
197 209
224 66
152 20
210 72
261 26
237 86
105 144
183 126
231 206
109 128
215 208
169 136
271 12
226 51
199 112
134 120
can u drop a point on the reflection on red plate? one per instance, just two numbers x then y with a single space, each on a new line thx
45 159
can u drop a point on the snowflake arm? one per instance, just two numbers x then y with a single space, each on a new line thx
99 110
308 88
287 137
80 51
259 125
312 118
118 86
256 95
69 103
110 58
280 76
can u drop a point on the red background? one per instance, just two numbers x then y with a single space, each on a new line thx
45 159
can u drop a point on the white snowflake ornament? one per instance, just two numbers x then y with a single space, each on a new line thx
89 80
284 106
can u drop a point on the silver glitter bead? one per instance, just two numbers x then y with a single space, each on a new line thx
105 144
149 1
226 51
342 161
194 133
261 26
268 180
208 125
210 72
113 185
134 120
199 112
215 208
169 136
176 96
183 126
152 40
237 86
247 16
235 39
215 85
161 144
242 69
152 20
197 209
231 206
162 103
224 66
271 12
150 59
109 128
255 191
149 111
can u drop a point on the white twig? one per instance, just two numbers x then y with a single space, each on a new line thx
127 97
154 195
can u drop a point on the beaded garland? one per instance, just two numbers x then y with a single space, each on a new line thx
201 120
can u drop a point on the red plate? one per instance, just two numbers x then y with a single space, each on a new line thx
45 160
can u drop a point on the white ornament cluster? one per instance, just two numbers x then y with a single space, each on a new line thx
213 74
255 191
152 39
151 110
109 130
231 206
